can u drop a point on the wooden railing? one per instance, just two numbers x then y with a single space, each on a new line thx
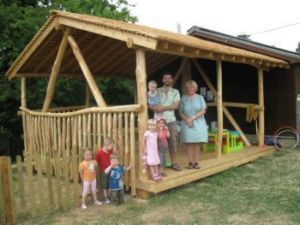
64 135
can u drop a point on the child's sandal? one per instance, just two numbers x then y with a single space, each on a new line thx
156 177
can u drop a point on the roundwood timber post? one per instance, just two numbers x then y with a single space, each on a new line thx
55 70
219 110
141 79
86 72
6 183
23 92
261 117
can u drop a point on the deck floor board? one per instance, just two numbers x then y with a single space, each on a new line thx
209 166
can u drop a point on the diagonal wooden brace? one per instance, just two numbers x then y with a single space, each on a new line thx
87 73
225 110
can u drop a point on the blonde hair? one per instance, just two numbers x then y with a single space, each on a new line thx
86 150
151 121
113 156
191 83
152 82
108 141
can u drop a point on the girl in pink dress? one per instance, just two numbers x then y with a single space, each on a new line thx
151 150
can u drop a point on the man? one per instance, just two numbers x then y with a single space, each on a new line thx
169 102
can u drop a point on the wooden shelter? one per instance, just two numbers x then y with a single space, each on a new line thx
88 47
281 86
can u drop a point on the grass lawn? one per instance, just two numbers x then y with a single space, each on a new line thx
266 191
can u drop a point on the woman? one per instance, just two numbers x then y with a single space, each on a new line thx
193 127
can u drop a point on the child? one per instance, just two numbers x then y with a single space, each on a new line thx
151 151
115 184
103 160
163 135
153 98
87 170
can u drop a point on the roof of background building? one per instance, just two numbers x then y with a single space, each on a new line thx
211 35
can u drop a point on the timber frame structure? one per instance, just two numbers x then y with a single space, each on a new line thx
89 47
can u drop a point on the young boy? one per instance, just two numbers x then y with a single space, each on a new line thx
103 160
87 170
115 184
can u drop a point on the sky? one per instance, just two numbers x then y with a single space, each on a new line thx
232 17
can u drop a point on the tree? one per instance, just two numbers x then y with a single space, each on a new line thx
19 21
298 48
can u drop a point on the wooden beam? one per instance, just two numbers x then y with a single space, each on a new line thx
110 109
141 81
82 39
55 70
179 71
261 123
9 208
219 110
108 56
96 57
85 24
23 92
87 73
162 63
41 62
235 105
31 47
186 74
226 112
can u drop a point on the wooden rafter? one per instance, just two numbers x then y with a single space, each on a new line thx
118 61
86 49
127 64
41 63
87 73
225 110
31 47
153 59
179 71
105 62
79 23
55 71
161 64
104 58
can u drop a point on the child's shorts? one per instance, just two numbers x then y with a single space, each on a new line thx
103 181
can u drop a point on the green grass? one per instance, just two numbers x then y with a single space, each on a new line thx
266 191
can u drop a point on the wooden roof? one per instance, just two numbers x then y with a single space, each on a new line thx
108 48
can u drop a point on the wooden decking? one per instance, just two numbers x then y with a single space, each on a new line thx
209 166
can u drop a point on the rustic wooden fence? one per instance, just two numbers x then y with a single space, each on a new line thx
48 178
26 189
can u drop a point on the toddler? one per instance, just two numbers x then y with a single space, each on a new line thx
163 135
151 151
87 170
153 97
115 184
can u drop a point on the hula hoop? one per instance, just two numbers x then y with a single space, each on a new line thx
282 131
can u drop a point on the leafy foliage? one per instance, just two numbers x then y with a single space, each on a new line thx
19 21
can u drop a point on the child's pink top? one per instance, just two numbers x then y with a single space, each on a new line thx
163 137
150 139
